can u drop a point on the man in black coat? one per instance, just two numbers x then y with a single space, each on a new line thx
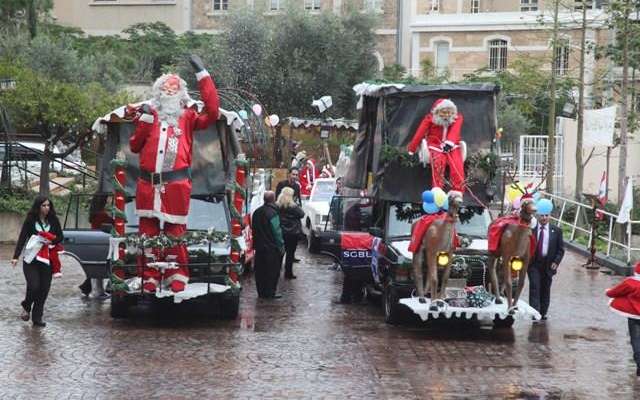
269 247
544 265
292 182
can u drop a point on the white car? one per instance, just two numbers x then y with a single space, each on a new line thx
316 209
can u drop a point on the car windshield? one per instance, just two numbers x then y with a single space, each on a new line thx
203 215
323 191
473 221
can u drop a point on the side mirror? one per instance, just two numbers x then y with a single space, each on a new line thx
375 231
106 228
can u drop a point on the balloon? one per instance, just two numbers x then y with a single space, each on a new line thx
243 114
545 206
257 109
427 196
536 196
274 119
514 191
430 208
439 196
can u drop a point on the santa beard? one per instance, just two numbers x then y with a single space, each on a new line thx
170 108
445 122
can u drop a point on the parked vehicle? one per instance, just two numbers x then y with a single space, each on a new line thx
210 264
397 186
316 210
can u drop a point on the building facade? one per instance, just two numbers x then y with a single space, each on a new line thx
110 17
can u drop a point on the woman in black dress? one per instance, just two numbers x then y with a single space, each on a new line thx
41 218
291 225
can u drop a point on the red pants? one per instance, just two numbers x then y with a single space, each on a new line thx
151 227
439 161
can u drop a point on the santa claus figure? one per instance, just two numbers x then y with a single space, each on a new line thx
163 138
441 131
308 175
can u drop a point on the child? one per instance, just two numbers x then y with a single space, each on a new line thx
626 302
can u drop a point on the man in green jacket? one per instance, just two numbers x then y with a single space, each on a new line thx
269 247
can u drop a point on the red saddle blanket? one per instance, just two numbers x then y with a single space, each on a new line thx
497 227
421 226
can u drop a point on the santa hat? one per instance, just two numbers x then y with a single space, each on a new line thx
636 270
443 103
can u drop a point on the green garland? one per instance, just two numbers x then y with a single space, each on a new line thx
234 285
115 163
408 213
241 163
116 213
392 153
234 212
117 186
118 284
163 241
235 245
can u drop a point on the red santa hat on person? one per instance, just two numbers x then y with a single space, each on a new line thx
443 103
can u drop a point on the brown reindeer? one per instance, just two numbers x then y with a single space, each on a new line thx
514 243
437 239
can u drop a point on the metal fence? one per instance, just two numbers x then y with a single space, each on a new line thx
579 224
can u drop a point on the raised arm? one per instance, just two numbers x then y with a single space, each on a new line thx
208 94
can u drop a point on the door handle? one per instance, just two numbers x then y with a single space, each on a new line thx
69 240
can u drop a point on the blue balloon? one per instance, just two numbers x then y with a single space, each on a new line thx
445 206
545 206
430 208
243 114
427 196
536 196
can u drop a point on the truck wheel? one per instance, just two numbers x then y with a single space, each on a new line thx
503 323
312 243
119 306
229 306
391 306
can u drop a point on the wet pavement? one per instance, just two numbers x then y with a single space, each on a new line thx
304 346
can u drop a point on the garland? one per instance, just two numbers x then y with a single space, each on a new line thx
391 153
115 163
163 241
116 213
408 213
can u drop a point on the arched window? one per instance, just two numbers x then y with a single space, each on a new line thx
497 54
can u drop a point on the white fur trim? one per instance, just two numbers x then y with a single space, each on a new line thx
449 142
177 277
148 118
202 74
624 314
151 280
446 103
172 219
636 277
162 144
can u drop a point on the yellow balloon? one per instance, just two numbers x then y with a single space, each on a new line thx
514 191
439 196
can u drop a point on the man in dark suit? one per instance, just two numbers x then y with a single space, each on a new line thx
544 265
292 182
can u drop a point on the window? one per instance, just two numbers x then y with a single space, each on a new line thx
442 57
528 5
373 5
497 55
312 5
475 6
435 6
578 4
274 5
561 59
220 5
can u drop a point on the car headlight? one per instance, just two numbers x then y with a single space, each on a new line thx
442 259
516 263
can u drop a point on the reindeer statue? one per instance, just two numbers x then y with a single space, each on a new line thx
514 252
436 247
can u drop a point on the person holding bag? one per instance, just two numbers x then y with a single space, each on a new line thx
40 236
291 224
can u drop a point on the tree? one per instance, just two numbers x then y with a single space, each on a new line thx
551 130
19 12
57 111
152 45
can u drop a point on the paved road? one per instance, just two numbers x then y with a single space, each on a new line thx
303 346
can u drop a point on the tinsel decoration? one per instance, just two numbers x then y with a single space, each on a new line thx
408 213
163 241
477 296
392 153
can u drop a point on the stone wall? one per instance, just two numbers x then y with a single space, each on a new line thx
11 224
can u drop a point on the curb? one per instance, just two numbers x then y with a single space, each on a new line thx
618 267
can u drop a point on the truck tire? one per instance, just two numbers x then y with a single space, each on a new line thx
119 306
503 323
391 306
230 306
312 243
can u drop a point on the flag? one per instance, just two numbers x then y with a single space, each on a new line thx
627 203
602 195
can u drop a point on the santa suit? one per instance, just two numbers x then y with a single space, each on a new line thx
165 151
625 300
437 136
308 175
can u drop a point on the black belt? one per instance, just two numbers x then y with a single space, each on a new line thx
165 177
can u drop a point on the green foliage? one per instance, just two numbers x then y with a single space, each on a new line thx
524 86
153 45
394 72
16 201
